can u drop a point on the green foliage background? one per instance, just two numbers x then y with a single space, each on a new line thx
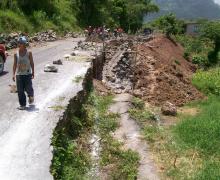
66 15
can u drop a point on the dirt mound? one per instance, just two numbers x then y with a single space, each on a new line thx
162 74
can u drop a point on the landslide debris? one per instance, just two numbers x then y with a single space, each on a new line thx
153 69
162 74
117 71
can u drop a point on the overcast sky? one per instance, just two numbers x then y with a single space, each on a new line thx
217 1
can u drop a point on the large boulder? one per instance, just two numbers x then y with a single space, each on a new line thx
169 109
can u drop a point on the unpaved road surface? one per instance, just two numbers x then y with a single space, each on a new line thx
25 151
129 134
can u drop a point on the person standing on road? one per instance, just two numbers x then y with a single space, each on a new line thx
23 73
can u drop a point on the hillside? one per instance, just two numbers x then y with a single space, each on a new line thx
68 15
188 9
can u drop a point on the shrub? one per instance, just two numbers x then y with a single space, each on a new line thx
186 55
200 60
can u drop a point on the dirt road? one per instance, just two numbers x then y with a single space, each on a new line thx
25 152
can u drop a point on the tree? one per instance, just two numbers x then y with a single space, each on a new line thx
136 11
127 14
211 30
169 24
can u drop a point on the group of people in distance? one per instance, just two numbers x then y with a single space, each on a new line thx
104 32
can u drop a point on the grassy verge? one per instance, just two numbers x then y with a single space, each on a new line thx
115 162
201 134
174 161
190 149
208 81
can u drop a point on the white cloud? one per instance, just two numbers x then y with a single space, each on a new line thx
217 1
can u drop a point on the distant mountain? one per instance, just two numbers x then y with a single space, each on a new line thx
188 9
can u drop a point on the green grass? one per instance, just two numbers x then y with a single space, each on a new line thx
71 158
211 171
123 163
139 113
138 103
140 116
70 141
202 131
208 81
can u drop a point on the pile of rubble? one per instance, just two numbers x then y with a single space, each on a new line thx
117 72
86 46
11 39
46 36
72 34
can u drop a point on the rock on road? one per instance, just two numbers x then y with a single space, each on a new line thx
25 151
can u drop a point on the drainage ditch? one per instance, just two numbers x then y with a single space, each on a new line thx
72 156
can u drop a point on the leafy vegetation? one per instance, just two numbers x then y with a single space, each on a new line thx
32 16
211 30
170 25
66 15
71 158
127 14
196 49
208 81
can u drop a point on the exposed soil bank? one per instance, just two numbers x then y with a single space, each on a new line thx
163 74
